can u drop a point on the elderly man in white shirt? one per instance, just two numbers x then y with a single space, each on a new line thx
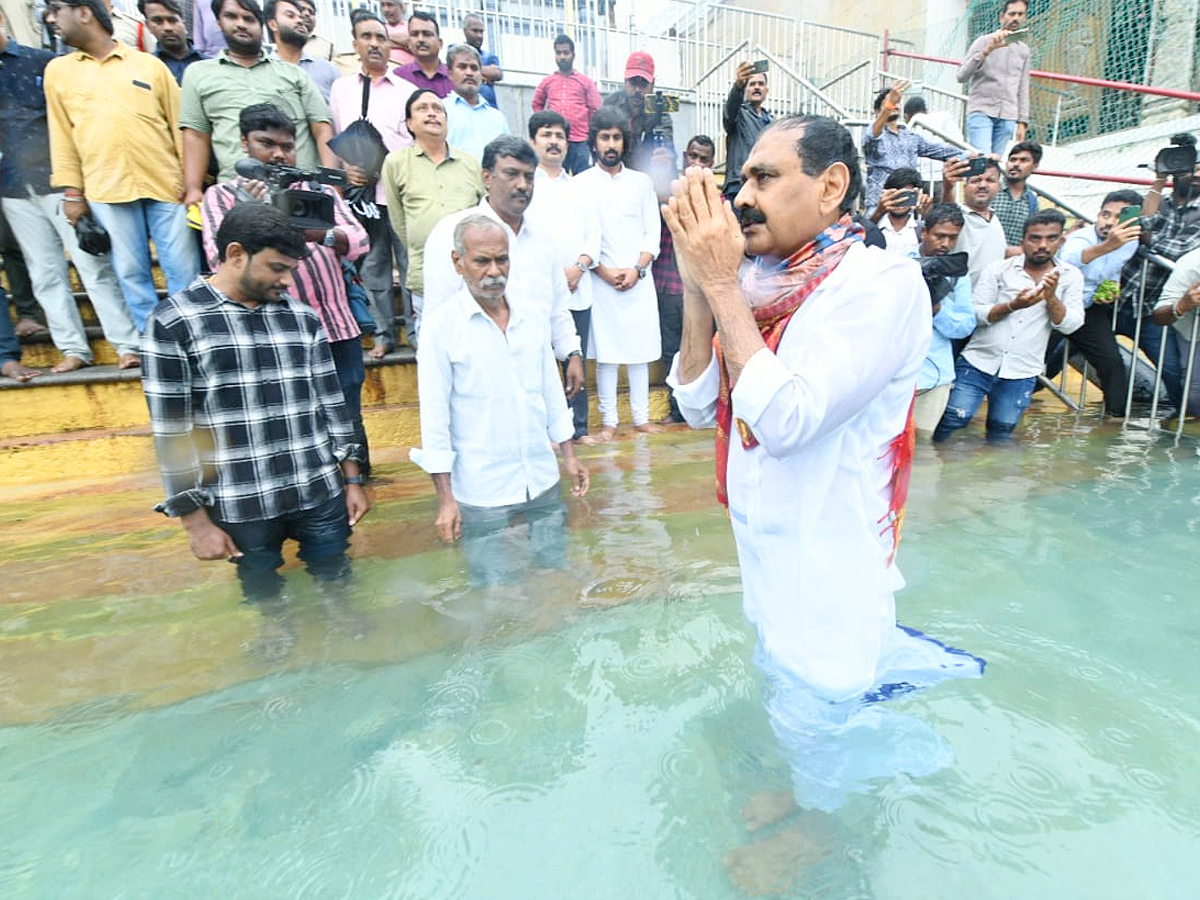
492 408
508 165
1018 302
811 390
624 301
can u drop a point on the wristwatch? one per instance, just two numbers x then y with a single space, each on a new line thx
574 353
354 479
330 238
641 270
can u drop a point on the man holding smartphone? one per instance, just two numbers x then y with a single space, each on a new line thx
996 72
900 204
744 120
889 145
1018 303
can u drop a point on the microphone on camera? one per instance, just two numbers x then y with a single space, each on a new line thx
252 169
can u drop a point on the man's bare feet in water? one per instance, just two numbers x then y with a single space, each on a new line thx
70 364
15 370
774 864
586 440
381 348
647 428
605 434
129 361
768 807
29 327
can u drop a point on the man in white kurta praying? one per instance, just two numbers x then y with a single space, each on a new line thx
624 327
810 383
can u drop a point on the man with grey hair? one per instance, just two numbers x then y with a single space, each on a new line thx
491 406
473 121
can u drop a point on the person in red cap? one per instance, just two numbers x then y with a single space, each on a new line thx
648 130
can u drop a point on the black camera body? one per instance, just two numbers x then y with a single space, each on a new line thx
1177 159
304 209
939 273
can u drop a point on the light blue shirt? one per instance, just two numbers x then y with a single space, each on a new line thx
471 128
956 319
1102 268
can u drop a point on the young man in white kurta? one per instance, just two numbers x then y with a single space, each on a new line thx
624 318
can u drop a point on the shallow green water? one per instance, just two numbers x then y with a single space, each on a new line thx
431 741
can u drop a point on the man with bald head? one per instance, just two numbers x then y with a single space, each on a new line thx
492 406
810 384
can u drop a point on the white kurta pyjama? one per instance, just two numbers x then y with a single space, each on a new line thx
624 323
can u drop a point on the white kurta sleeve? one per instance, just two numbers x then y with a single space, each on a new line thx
435 384
563 336
697 399
826 375
651 222
441 280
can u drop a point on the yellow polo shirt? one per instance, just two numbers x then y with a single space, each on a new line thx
113 126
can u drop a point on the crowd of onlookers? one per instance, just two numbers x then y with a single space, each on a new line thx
125 132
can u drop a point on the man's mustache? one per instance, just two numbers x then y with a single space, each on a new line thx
492 281
752 215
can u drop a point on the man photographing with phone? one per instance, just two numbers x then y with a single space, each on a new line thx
744 120
996 72
889 145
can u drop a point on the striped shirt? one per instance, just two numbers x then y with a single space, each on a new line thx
319 281
245 405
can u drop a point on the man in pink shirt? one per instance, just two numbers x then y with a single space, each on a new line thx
386 101
572 95
397 31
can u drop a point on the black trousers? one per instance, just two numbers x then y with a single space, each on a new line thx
1096 341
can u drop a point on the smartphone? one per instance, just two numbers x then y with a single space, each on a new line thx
1129 213
1014 36
760 66
907 199
976 166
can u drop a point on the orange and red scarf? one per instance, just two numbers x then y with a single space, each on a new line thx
775 295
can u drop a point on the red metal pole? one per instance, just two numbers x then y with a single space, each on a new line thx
1087 176
1075 79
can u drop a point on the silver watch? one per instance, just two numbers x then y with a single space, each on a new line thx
330 238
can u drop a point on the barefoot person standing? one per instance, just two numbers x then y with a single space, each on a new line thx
810 383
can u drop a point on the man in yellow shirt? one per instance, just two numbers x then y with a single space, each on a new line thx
115 150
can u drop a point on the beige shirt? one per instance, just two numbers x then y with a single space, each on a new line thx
112 126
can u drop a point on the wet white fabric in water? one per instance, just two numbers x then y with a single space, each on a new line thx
837 748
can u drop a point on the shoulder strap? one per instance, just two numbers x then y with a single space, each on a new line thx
366 94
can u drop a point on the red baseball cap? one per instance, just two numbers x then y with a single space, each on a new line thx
639 65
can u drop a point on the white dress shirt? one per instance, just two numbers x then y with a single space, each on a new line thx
902 240
562 208
492 404
1015 346
809 503
534 276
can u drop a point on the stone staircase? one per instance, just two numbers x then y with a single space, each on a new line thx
94 421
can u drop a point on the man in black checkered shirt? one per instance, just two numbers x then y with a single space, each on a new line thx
253 440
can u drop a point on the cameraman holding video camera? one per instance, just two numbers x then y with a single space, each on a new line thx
1169 230
269 140
648 130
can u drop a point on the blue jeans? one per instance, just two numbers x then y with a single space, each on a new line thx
10 346
131 226
988 134
351 373
579 405
323 533
579 157
1007 400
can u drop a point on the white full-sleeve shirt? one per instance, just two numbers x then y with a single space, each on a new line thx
809 503
492 404
562 208
1015 347
534 276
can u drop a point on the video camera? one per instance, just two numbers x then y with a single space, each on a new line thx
939 272
659 102
304 209
1177 159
